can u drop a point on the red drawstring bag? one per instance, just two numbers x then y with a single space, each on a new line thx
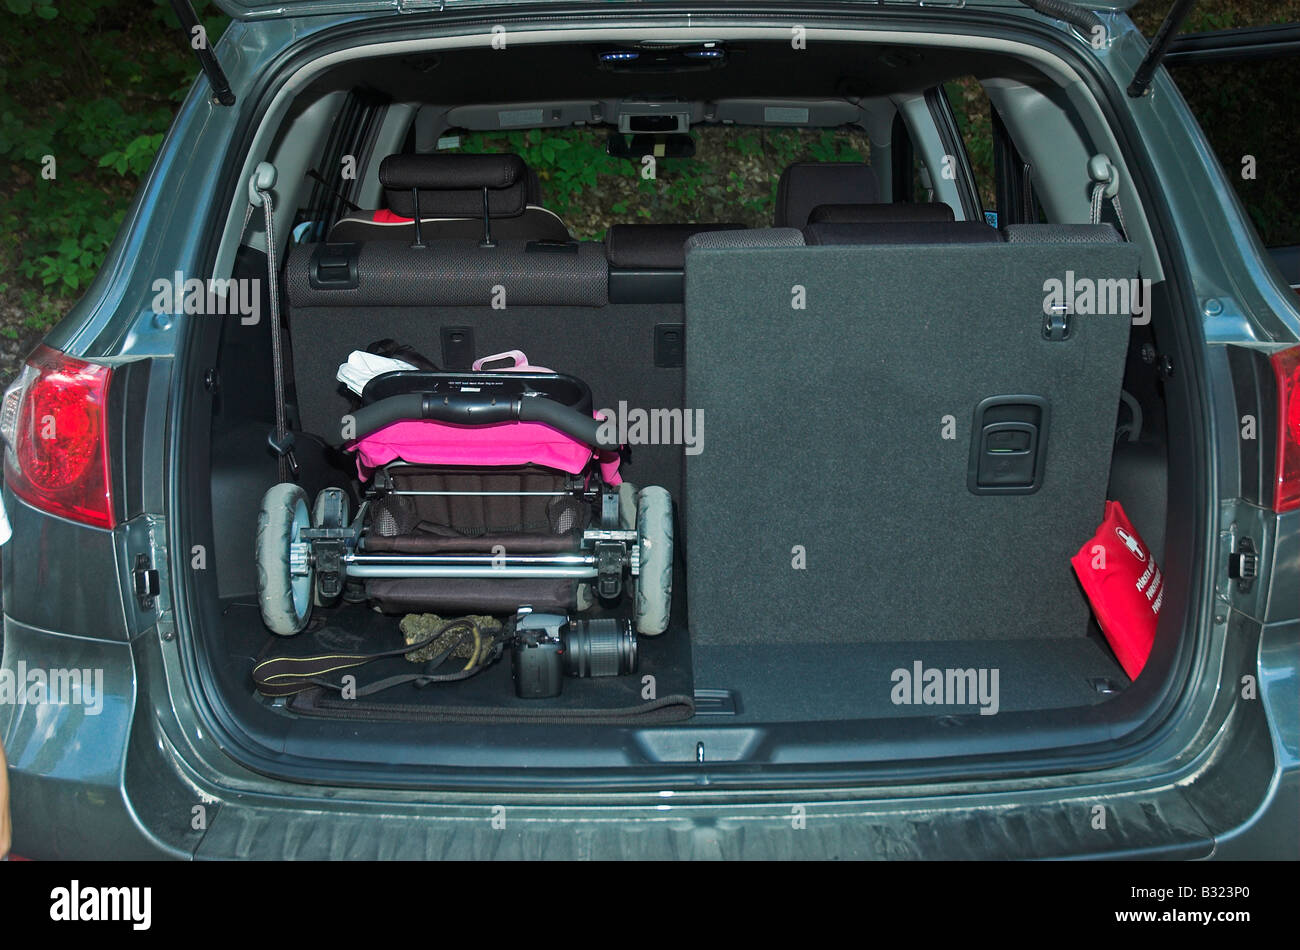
1124 586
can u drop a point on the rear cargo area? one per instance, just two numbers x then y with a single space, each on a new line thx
884 438
799 597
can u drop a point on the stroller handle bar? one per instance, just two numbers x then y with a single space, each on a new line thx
479 409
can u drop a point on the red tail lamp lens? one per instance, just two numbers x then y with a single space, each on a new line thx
53 419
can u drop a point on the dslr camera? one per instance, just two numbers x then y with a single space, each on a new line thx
548 647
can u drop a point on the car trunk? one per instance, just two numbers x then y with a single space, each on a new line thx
832 552
816 669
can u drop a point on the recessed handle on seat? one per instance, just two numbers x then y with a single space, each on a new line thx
1008 446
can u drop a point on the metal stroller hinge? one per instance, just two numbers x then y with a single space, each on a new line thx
610 558
592 536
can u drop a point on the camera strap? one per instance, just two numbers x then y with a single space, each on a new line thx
288 675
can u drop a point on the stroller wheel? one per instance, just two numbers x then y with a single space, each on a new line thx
283 595
332 510
654 584
627 506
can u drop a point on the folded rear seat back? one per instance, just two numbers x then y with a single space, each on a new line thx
860 480
757 237
443 300
451 300
1061 234
902 232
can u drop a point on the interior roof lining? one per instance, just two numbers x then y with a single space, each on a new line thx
762 69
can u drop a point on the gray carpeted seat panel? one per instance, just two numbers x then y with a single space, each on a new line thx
825 434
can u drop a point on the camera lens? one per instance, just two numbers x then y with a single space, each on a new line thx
604 647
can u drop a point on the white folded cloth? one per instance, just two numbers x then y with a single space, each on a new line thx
362 367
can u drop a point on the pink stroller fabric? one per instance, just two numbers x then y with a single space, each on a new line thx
425 442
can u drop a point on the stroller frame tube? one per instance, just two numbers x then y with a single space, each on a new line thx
470 565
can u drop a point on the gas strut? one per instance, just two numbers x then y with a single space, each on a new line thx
1164 36
221 91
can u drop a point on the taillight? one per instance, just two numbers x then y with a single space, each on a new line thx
1286 367
52 420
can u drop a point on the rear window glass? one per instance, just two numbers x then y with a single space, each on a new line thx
1250 112
732 176
974 117
1248 109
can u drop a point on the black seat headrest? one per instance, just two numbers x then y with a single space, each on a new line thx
805 185
451 172
881 213
451 185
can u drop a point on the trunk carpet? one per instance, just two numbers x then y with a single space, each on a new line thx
490 694
797 682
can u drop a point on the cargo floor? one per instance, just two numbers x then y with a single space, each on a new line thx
799 682
782 682
358 629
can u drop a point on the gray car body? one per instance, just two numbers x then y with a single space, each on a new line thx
153 775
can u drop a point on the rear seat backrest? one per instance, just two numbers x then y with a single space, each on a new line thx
863 370
646 260
654 246
903 232
757 237
442 300
1061 234
450 190
805 185
881 213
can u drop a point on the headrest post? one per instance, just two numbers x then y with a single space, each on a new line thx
487 223
415 200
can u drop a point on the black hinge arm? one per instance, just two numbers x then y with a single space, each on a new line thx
1084 20
221 91
1159 46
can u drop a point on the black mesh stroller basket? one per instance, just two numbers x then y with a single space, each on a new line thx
439 510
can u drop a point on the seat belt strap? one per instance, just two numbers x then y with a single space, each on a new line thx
280 439
1105 179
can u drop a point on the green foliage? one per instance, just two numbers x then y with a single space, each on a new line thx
1217 14
970 109
93 84
732 176
87 90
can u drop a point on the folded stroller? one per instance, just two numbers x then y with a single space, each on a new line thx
481 492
